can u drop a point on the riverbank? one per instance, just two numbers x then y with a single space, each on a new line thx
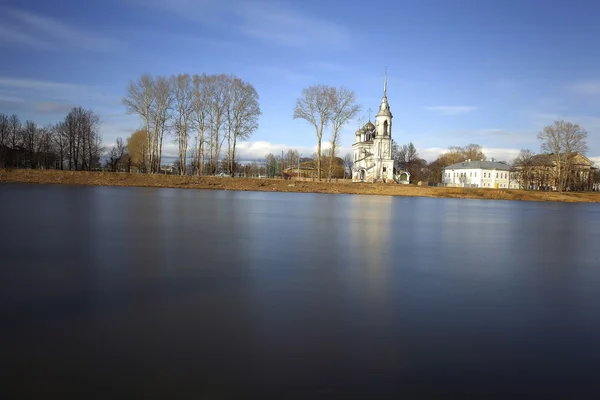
277 185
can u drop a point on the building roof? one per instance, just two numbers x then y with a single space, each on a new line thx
479 165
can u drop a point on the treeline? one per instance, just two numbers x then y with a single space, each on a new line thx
73 143
211 111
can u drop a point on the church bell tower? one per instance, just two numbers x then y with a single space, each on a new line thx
383 138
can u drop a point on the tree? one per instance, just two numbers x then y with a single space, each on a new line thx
201 115
348 163
242 116
408 159
160 114
315 106
4 132
523 167
82 139
473 152
116 154
343 108
183 94
140 100
137 145
563 140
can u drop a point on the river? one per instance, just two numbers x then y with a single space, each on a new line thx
143 292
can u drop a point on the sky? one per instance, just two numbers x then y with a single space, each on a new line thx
488 72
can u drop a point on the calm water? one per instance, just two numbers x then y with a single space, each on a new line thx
134 291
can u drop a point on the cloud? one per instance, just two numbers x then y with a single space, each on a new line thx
586 87
10 98
36 84
596 161
273 23
270 22
284 73
53 107
42 32
452 110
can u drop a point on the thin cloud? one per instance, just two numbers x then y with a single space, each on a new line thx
452 110
284 73
32 84
288 27
45 33
9 36
53 107
587 88
265 21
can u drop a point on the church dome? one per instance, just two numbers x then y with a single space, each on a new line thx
369 126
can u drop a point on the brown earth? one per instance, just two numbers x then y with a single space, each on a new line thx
278 185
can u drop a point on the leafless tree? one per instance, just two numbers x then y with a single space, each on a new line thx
183 94
4 133
201 115
243 112
348 163
523 167
563 140
140 100
83 141
343 108
160 114
219 95
314 106
116 154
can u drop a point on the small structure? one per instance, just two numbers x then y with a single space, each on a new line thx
372 152
484 174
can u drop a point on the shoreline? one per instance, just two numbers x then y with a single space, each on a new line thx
279 185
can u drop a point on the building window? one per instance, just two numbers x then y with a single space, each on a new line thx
475 174
471 174
496 175
384 169
385 128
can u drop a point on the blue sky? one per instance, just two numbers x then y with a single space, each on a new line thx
459 71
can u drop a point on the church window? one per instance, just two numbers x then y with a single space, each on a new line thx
385 128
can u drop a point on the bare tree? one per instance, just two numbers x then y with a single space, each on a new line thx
348 163
523 167
563 140
314 106
160 113
219 95
4 133
201 115
473 152
140 100
242 116
116 154
343 108
184 107
82 138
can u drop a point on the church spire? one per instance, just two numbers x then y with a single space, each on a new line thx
385 83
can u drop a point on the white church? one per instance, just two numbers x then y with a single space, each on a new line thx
373 160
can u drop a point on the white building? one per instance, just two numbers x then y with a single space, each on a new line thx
373 149
484 174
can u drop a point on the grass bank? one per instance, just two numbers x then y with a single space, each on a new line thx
274 185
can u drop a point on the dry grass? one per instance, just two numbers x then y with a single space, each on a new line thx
272 185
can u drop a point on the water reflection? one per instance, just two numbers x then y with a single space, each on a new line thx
219 293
